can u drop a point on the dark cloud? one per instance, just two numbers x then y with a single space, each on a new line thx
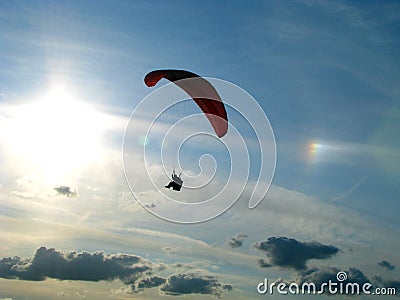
7 265
387 283
75 266
290 253
66 191
387 265
147 283
237 240
319 277
194 283
132 270
324 274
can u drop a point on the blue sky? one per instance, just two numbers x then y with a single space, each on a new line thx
326 73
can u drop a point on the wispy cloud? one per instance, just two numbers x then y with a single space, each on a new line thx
351 190
237 240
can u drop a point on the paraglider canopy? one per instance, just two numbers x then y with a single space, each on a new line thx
200 90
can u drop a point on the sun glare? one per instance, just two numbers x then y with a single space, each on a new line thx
56 133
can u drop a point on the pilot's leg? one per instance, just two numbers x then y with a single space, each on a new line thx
171 184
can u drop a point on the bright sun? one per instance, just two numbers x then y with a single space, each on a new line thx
56 134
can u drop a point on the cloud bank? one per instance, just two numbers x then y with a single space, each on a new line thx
52 263
132 270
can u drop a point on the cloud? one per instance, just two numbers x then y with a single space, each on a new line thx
387 283
146 283
318 278
194 283
262 263
237 240
167 250
349 191
290 253
66 191
134 271
387 265
52 263
324 274
79 295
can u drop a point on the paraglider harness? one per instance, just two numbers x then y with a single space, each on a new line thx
176 182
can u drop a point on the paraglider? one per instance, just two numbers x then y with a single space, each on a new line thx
205 96
176 182
201 91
